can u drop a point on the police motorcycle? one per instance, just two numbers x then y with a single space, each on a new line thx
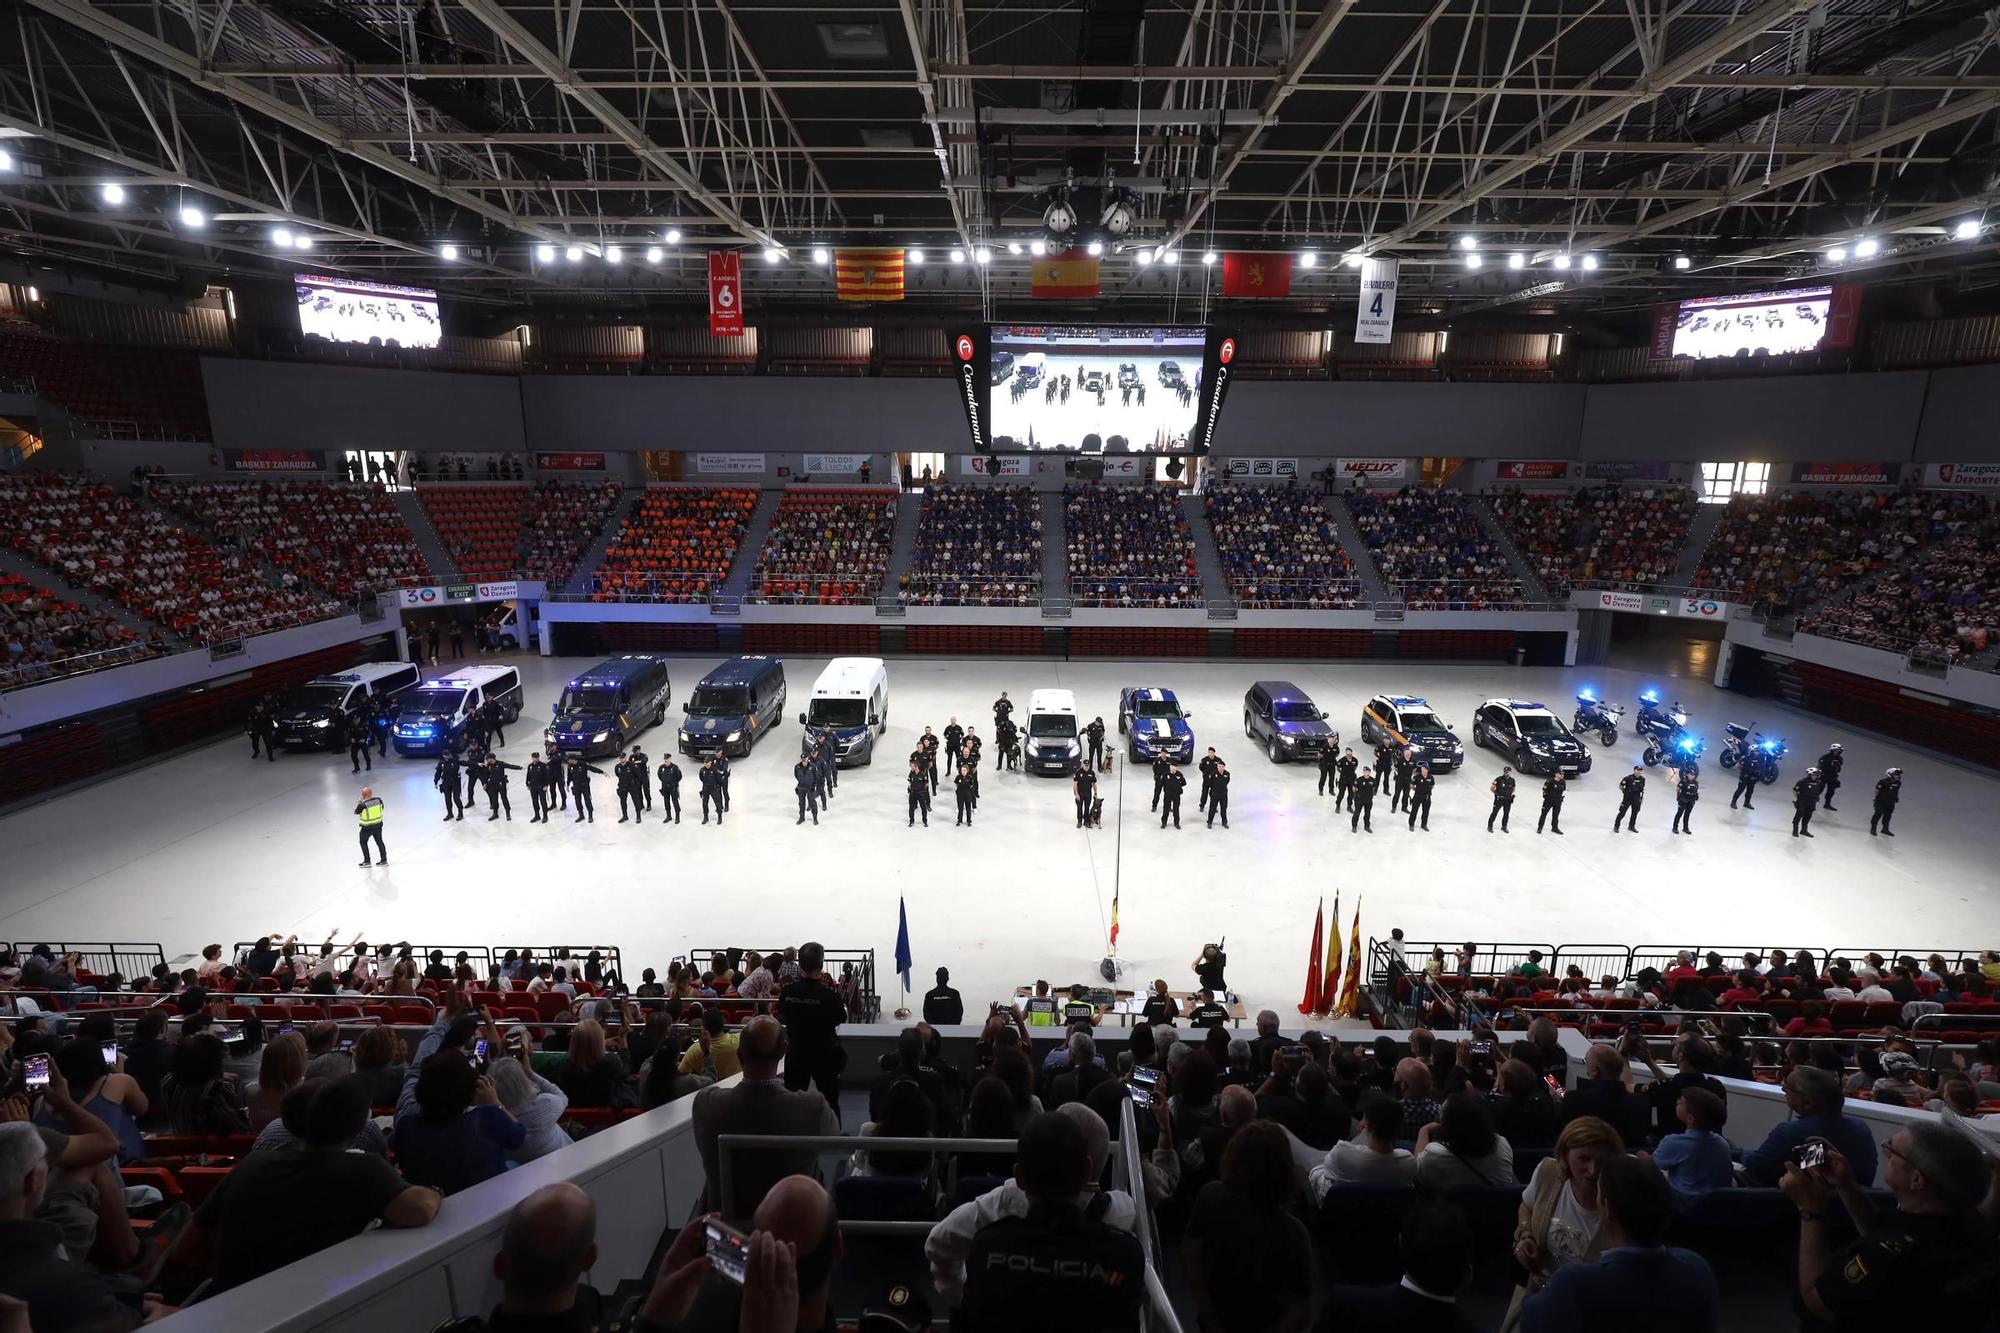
1653 720
1595 715
1668 741
1758 754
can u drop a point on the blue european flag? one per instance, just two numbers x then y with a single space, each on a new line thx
903 942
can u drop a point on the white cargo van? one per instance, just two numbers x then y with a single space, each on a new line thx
850 702
1050 741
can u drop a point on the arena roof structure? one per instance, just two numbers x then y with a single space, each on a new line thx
1538 154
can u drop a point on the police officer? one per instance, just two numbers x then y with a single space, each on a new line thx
476 730
628 780
954 741
1888 791
358 745
1329 769
1829 771
558 794
966 787
1218 795
972 771
494 774
1161 767
972 748
473 758
1005 734
1631 795
1002 707
1502 788
1346 769
1385 763
1405 766
253 723
805 781
1207 768
1176 784
1361 801
369 811
1083 786
445 778
580 770
920 794
380 715
1552 803
1094 734
538 788
722 779
1686 792
457 640
1419 800
432 635
266 723
1746 784
927 750
639 783
1805 799
831 759
711 791
669 774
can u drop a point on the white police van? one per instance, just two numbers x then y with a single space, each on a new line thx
1049 739
850 702
434 715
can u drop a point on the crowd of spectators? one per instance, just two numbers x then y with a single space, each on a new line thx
826 547
1788 550
677 545
1129 546
346 537
1279 548
122 548
976 546
43 636
1940 600
561 522
1431 548
1623 537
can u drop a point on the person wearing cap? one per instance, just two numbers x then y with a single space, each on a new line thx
1687 790
1829 771
1899 1079
1888 790
369 810
1631 795
1361 802
1418 798
1805 799
1552 803
1502 788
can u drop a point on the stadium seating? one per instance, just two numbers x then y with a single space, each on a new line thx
479 525
1610 537
1788 550
1940 601
141 390
1430 546
1129 546
562 521
976 546
827 547
43 637
677 546
498 532
1279 549
344 536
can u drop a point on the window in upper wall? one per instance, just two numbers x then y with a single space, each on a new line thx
1719 481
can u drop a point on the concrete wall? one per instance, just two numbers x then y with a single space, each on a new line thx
265 404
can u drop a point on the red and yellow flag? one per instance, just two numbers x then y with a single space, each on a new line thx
1310 1004
1329 990
1257 273
1069 276
868 275
1350 997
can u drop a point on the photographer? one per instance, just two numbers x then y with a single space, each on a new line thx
1208 967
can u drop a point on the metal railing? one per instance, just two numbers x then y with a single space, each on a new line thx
1619 961
864 1004
82 664
125 959
1332 593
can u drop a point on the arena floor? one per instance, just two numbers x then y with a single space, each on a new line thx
211 845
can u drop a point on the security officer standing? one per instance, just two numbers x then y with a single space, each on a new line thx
639 783
1502 788
1161 767
628 783
1405 767
1631 795
972 748
927 751
1361 802
1552 803
1083 786
1385 763
1218 794
1005 747
669 774
722 781
1206 768
253 723
805 781
369 811
1002 708
954 741
494 775
920 794
474 756
358 745
1419 800
538 788
1746 784
711 791
965 786
380 715
457 640
1805 799
580 770
1346 768
476 730
445 778
1829 771
1686 793
831 761
1176 784
1094 734
1888 791
1329 770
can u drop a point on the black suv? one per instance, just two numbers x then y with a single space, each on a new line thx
1532 736
1286 720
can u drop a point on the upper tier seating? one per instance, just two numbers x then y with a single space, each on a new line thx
1941 601
144 390
1129 546
1794 548
479 525
1430 545
43 637
563 520
513 532
124 549
1278 548
828 547
976 546
677 546
344 536
1627 536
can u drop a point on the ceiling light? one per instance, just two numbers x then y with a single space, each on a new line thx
192 217
1059 216
1562 261
673 236
1038 247
1351 259
1867 248
957 255
772 254
1468 242
448 251
1310 259
1837 255
914 256
1472 260
654 254
1095 247
1013 247
303 242
614 254
982 255
820 254
545 254
1682 263
1170 256
1208 256
573 253
6 160
1517 260
1590 263
1967 230
1144 257
281 237
112 192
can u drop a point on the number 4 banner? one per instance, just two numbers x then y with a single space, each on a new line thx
1376 318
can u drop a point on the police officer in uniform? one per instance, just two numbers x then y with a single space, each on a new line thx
380 714
1805 799
806 783
476 730
1888 791
357 745
558 798
1161 767
1829 771
1686 792
1176 784
1552 803
538 788
1385 763
722 780
954 741
369 811
639 783
927 749
1631 795
1343 792
1361 801
1002 707
628 778
669 774
965 786
711 791
972 749
266 723
920 795
1746 785
1329 769
1005 734
580 770
445 778
253 723
1419 800
457 640
1502 788
1084 787
1405 765
1218 795
494 775
830 760
473 758
1094 735
1207 766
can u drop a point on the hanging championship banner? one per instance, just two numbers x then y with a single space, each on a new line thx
1375 319
725 294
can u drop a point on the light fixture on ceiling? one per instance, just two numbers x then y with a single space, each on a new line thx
1590 263
302 242
1836 254
772 254
1867 248
1208 256
1095 248
957 254
1118 211
1682 263
573 253
614 254
1472 259
673 236
1144 257
1968 230
982 255
1351 259
281 237
1169 257
111 192
193 218
1468 242
1038 247
1517 260
820 254
545 254
6 160
1310 259
448 251
654 254
1060 215
914 256
1561 261
1013 247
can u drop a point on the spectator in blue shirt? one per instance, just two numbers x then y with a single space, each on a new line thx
1637 1284
1697 1159
451 1130
1815 1097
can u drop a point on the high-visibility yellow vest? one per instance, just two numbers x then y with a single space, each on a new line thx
371 811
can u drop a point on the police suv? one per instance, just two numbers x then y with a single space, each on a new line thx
1532 736
1408 719
1156 725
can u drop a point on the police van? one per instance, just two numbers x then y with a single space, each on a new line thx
733 706
320 713
850 702
602 710
1050 741
433 716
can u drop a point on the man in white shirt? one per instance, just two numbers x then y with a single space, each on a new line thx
1371 1159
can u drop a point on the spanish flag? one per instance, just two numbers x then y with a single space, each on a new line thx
1068 276
868 275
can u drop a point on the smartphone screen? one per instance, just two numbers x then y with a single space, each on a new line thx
110 1049
1142 1096
284 1028
37 1072
1811 1155
1479 1048
1146 1076
728 1251
1555 1087
479 1050
346 1046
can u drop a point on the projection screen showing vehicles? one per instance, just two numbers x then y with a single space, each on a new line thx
1098 390
1753 324
343 310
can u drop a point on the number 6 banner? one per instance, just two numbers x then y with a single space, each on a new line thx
725 294
1376 317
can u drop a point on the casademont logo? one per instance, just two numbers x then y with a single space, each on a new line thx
965 347
1227 352
968 384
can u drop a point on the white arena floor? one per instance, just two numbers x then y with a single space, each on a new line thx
211 846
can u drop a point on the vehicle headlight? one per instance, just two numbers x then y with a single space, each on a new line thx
1287 740
323 722
733 737
600 738
1458 747
549 734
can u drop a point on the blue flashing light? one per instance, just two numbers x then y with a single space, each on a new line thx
1649 696
1768 746
1587 694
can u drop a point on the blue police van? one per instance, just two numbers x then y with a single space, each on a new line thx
604 709
733 706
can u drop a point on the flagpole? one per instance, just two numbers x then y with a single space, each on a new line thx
1111 967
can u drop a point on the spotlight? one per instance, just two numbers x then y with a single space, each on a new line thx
1837 255
1472 260
982 255
1310 259
1351 259
820 255
6 160
772 254
654 254
1038 247
1117 215
573 253
1170 257
1682 263
914 256
1967 230
303 242
448 251
1590 263
1562 261
1013 247
1208 256
112 192
1144 257
193 218
1059 216
281 237
673 236
614 254
545 254
1468 242
1867 248
957 254
1517 260
1095 247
